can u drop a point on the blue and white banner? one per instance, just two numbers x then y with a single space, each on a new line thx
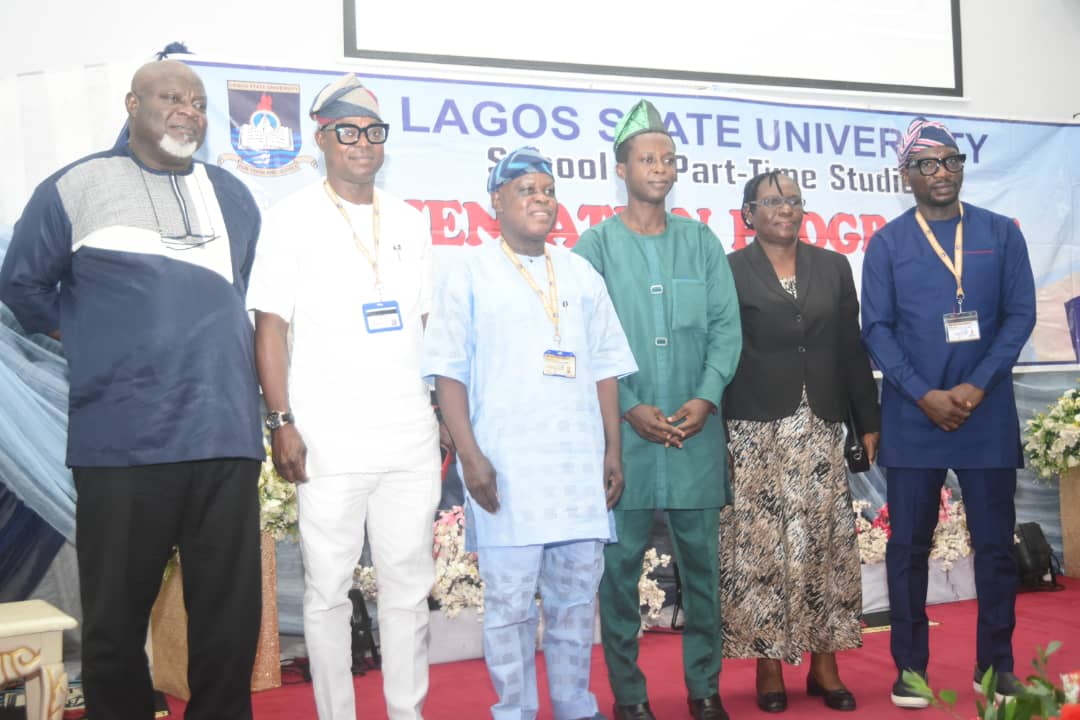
446 134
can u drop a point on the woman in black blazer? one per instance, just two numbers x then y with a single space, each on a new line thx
790 576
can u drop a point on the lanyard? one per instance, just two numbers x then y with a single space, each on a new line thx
956 264
373 260
551 300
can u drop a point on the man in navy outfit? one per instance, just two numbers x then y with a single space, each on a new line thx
137 260
948 301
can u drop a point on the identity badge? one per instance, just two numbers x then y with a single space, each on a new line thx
382 316
560 363
961 327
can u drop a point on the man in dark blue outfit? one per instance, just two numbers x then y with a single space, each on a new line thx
137 259
948 301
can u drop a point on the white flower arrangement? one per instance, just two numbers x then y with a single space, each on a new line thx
651 594
872 536
1052 439
364 581
951 538
1070 686
457 572
277 503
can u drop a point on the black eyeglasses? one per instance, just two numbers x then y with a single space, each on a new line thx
774 201
349 134
929 166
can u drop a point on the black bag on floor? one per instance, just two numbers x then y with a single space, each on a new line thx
1035 559
365 651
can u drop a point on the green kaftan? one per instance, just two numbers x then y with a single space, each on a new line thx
676 300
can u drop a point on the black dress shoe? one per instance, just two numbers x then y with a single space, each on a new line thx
641 711
839 699
709 708
772 702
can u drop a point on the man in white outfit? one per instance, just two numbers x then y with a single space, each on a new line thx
347 268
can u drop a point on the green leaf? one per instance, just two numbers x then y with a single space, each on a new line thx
915 682
1026 708
948 697
1053 647
989 683
1039 688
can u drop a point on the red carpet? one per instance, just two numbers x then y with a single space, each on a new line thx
462 691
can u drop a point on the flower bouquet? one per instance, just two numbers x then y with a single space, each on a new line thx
951 538
872 535
1052 438
277 503
649 591
1052 445
457 573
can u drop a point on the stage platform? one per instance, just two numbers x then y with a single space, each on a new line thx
462 690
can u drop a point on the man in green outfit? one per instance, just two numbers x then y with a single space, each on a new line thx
669 279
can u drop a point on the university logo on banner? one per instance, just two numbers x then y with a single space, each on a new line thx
264 124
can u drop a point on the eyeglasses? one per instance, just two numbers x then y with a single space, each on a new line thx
190 239
349 134
775 201
929 166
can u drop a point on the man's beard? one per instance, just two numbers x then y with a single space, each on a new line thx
181 150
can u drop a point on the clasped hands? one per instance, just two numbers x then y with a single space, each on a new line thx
949 409
651 424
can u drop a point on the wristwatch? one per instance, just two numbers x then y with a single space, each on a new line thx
274 420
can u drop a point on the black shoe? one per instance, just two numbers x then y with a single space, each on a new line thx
1006 684
709 708
905 697
641 711
772 702
838 699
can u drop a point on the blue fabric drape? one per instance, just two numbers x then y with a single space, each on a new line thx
27 546
33 421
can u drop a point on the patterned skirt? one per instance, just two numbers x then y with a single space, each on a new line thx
790 581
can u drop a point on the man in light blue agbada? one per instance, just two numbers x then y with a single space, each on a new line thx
526 351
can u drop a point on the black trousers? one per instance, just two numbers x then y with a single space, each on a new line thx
128 519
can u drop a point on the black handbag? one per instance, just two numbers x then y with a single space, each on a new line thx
858 460
1035 560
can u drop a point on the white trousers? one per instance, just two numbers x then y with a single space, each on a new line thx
398 510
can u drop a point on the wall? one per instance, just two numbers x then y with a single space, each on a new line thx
66 66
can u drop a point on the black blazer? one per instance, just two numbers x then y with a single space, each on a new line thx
811 340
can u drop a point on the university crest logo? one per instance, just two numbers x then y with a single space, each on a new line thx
264 120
